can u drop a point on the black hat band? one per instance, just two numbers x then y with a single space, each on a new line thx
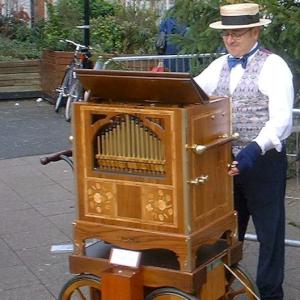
240 20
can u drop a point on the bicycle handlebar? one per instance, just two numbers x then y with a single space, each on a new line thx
79 46
56 156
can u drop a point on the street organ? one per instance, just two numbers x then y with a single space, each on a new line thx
151 157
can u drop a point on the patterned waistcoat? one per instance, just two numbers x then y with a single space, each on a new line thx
249 105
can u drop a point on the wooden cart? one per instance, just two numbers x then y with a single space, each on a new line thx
151 157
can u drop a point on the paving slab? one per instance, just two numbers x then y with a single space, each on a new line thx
21 122
15 277
29 292
8 258
35 237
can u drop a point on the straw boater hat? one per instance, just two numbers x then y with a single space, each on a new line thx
235 16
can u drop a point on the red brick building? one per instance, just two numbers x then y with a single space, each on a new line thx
26 10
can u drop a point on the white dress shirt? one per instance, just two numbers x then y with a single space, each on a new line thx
275 81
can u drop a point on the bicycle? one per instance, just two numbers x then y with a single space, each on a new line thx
70 87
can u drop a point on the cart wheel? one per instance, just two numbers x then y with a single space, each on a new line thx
237 288
81 287
169 294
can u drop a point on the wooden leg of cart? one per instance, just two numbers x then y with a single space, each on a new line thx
122 283
214 287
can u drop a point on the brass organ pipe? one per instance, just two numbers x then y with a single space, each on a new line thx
152 152
123 138
110 143
106 142
118 152
99 148
114 140
159 150
133 137
146 139
142 141
138 139
128 137
110 150
99 144
103 142
151 145
156 148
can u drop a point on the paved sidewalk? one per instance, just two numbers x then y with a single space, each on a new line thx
37 208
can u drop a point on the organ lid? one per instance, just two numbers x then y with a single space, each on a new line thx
142 86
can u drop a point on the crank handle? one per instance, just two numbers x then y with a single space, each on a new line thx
198 180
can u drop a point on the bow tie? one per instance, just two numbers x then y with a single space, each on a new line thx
233 61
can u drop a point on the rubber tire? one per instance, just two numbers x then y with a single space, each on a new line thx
76 93
169 292
82 280
64 88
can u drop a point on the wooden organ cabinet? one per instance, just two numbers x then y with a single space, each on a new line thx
151 157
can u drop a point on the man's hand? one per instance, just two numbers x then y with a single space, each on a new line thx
233 170
245 159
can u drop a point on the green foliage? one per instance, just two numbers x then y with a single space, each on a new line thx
12 49
114 28
139 29
130 30
282 35
61 24
101 8
107 34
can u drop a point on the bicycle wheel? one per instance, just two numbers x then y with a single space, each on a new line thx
169 294
84 286
63 90
240 286
76 93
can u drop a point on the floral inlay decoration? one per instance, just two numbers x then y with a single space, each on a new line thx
159 206
100 198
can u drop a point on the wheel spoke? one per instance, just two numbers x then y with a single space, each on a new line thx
81 294
239 285
81 287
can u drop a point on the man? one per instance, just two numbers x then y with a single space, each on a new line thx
260 87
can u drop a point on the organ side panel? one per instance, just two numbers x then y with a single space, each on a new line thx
209 183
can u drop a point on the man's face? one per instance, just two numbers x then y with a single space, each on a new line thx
238 42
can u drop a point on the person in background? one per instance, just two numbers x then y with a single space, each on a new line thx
260 86
171 26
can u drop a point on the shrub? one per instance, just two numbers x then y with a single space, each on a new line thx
17 50
139 29
130 30
107 34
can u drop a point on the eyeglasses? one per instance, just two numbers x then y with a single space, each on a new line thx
234 35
